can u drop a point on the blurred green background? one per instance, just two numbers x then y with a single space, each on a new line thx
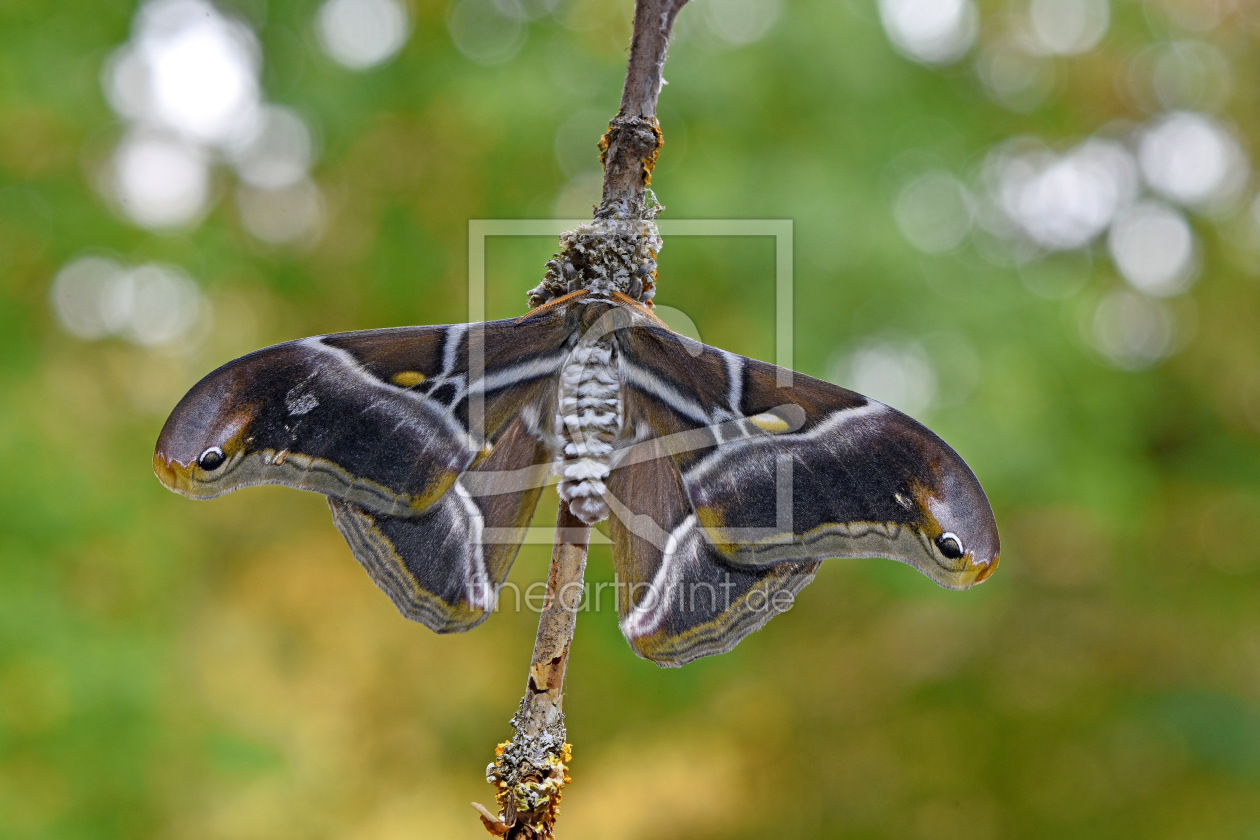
1029 223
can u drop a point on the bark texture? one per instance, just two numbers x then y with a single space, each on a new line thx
530 771
634 136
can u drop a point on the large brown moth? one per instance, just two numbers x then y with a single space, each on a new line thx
725 481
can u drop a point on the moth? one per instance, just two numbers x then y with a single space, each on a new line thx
724 481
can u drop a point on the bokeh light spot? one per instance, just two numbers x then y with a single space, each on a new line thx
483 33
292 214
578 197
1067 27
1130 330
740 22
1057 276
159 181
526 9
188 83
576 141
188 69
78 295
154 304
1191 74
360 34
1153 247
1013 77
934 212
150 305
1062 201
930 31
205 79
277 153
1192 159
894 372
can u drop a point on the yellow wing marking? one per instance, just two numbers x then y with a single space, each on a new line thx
408 378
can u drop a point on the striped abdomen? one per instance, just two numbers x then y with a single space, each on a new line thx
588 421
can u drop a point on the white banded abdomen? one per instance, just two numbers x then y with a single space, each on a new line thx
588 422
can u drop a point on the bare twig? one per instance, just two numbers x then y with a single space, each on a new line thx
634 136
530 771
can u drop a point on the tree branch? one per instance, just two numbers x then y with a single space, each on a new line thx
530 771
634 136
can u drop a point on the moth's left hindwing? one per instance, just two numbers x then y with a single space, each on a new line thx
444 567
416 435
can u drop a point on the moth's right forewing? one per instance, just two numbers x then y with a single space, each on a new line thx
782 467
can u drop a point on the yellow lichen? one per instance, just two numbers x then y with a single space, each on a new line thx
534 798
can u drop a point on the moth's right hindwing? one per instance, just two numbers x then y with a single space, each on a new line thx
678 597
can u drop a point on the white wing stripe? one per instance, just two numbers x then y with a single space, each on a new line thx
647 382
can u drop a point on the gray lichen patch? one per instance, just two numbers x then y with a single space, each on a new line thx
529 780
602 257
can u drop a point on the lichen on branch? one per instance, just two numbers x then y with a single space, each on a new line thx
604 256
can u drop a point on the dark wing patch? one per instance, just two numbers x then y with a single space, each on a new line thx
678 598
803 472
444 567
432 495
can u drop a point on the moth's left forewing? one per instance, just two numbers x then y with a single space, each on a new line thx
791 468
386 419
427 442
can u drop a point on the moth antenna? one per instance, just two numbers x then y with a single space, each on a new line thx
551 304
639 307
